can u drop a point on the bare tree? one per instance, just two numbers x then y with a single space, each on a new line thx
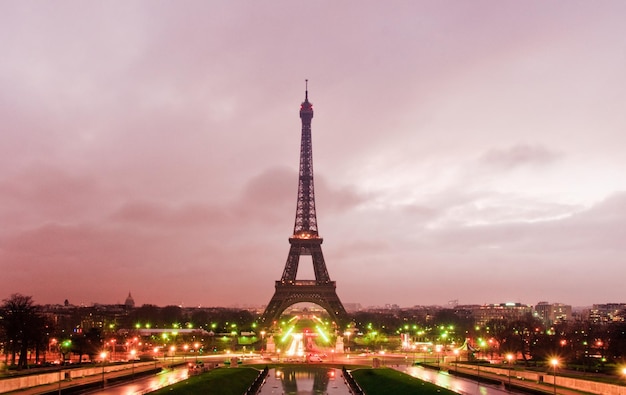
20 323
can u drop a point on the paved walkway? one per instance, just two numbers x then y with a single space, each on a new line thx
544 387
60 386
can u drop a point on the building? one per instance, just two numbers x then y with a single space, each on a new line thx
553 313
607 312
502 311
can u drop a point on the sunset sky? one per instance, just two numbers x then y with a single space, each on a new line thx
463 150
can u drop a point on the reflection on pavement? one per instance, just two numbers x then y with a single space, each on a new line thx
304 380
147 384
456 384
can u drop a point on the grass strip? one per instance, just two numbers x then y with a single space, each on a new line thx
221 381
385 381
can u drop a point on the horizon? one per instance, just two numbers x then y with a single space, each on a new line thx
461 151
390 306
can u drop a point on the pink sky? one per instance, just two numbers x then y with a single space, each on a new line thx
463 150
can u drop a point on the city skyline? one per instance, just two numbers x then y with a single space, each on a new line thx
462 151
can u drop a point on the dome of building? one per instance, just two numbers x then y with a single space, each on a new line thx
130 302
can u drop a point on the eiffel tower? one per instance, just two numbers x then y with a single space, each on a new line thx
305 241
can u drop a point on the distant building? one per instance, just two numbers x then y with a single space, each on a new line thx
607 312
553 313
352 307
502 311
130 302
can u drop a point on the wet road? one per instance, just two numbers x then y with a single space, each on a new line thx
456 384
146 384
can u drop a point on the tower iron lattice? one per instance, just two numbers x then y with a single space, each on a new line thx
305 241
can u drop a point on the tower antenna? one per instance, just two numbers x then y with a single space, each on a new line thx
306 90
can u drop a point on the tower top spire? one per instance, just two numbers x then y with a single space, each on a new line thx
306 108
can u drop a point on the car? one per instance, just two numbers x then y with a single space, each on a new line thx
315 358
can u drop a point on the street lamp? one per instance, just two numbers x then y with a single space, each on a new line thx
156 354
554 362
103 356
185 347
509 358
173 352
348 333
196 346
133 352
438 351
456 354
113 349
262 340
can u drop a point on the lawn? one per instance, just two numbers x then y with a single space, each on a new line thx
221 381
383 381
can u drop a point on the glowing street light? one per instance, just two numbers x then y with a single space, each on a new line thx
133 352
438 350
347 334
173 352
509 358
554 362
156 352
185 347
196 346
112 341
103 356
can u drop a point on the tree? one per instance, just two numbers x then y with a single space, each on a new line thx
21 324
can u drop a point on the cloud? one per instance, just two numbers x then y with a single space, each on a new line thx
518 156
154 148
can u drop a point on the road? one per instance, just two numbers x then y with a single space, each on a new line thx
456 384
146 384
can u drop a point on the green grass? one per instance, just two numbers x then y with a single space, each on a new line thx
221 381
383 381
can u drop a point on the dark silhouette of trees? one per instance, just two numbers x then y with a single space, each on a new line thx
524 335
88 343
22 326
498 329
616 348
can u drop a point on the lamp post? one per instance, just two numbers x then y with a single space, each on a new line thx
133 352
554 362
103 356
196 346
456 365
509 358
262 340
173 352
185 347
113 349
438 350
348 333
